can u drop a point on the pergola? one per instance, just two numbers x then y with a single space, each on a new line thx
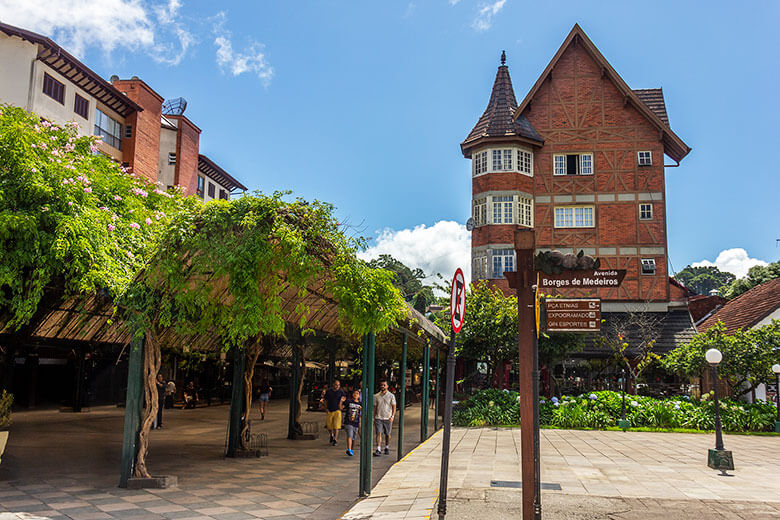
90 321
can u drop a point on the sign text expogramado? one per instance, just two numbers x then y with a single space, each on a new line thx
573 315
583 279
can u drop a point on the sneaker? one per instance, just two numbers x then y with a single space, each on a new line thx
377 453
335 442
331 440
387 450
350 453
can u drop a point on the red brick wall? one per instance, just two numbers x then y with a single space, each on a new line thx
577 109
141 150
187 146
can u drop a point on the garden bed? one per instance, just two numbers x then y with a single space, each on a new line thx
601 411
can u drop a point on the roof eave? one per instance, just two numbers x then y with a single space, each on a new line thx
467 146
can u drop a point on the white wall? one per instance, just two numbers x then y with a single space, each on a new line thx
16 60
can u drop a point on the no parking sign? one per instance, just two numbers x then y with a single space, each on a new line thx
458 301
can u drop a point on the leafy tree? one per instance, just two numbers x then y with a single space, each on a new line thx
748 355
639 327
408 281
704 279
757 275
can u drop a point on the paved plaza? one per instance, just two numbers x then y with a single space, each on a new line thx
600 475
66 466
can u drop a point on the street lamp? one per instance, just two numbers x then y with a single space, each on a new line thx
776 370
718 458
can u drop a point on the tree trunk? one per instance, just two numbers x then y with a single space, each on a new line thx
152 360
299 408
252 353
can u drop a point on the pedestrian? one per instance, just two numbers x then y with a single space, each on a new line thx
384 413
353 408
170 394
265 395
160 401
334 402
190 395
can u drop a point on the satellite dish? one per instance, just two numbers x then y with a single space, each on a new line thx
174 107
470 224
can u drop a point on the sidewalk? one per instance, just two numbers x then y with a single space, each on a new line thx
604 472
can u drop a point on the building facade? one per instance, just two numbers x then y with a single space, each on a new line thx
581 160
43 78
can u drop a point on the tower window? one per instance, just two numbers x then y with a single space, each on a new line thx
480 211
645 158
502 160
524 162
479 266
480 162
573 164
525 211
503 261
645 212
503 211
648 266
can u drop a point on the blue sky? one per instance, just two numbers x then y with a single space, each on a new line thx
364 104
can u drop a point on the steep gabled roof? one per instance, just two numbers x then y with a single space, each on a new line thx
747 309
654 99
499 119
674 147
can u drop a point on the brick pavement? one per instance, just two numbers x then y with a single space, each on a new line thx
667 467
66 466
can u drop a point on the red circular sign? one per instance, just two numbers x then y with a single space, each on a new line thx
458 301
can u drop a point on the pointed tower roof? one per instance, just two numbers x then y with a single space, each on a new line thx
498 120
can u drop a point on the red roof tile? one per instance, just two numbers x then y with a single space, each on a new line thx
747 309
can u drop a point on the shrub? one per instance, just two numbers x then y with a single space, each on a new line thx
603 409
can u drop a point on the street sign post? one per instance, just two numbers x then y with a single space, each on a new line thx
457 315
573 314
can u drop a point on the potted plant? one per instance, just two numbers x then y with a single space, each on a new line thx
6 400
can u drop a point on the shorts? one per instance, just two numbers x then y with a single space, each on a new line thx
352 431
333 421
264 397
382 426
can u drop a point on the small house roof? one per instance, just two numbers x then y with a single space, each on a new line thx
747 309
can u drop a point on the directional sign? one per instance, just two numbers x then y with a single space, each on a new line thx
458 301
573 315
583 279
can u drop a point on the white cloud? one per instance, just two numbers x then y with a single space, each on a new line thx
108 24
252 59
440 248
454 2
735 261
484 18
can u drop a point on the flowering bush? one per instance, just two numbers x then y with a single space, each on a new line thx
67 215
603 409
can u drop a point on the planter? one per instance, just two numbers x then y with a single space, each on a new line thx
3 441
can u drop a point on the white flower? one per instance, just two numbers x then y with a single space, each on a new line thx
634 404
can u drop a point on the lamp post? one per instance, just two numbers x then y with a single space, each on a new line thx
718 458
776 370
623 423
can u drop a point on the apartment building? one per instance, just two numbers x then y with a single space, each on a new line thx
582 161
42 77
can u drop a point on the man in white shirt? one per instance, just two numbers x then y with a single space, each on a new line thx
384 413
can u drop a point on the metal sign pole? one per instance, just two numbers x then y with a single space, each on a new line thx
447 421
537 455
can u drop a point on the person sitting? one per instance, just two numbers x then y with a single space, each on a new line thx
190 395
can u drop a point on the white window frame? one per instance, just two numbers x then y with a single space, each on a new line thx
480 211
502 260
650 264
585 161
501 205
644 160
525 211
479 266
568 217
502 159
648 215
